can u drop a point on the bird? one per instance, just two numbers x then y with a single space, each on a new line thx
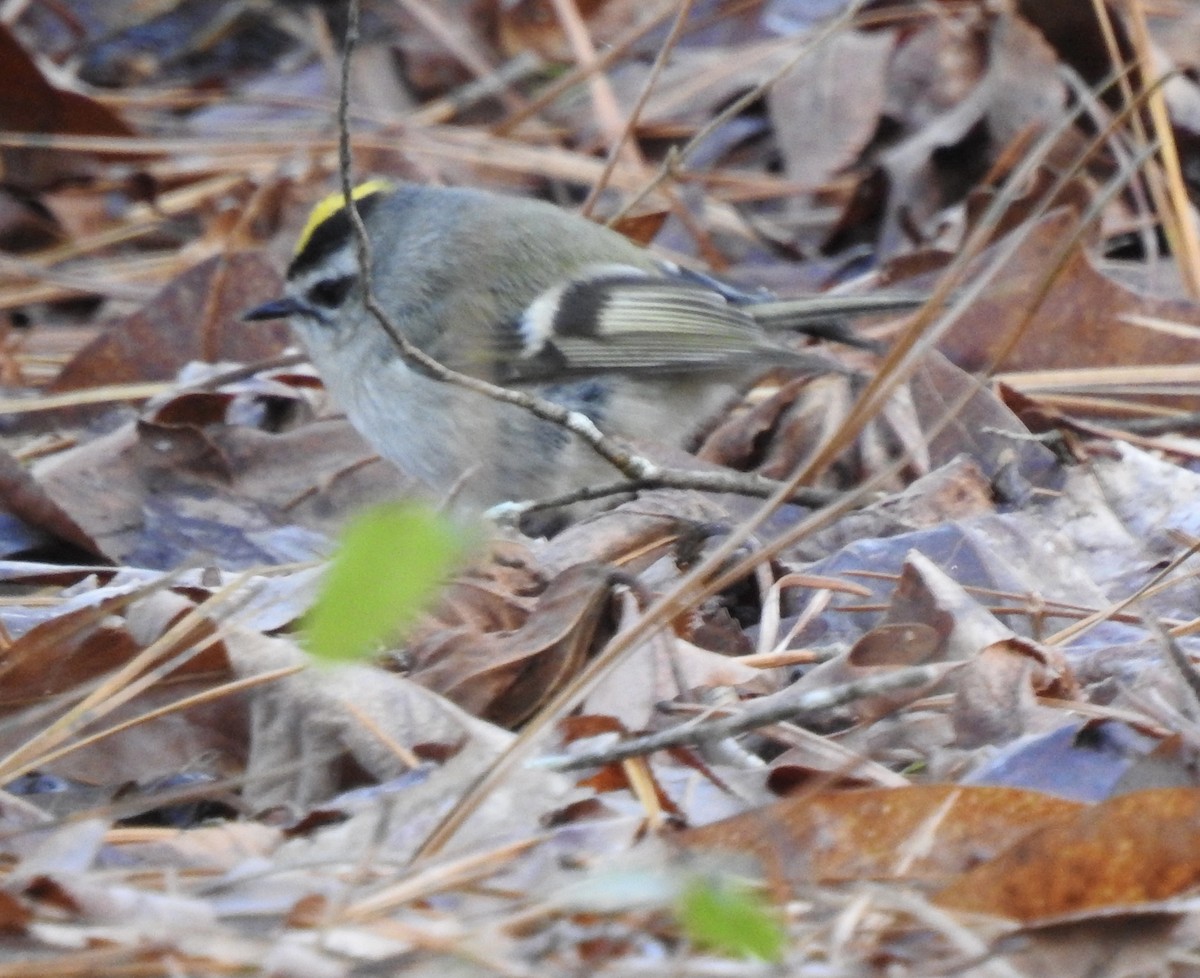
522 293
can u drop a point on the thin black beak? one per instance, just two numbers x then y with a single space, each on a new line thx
275 309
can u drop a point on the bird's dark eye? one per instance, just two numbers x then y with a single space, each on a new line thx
331 292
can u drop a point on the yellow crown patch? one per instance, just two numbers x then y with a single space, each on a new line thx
335 202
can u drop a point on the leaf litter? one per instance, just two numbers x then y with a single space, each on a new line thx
182 794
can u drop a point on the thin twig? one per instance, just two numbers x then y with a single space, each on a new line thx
748 484
772 709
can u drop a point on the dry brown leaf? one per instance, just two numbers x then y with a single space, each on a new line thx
828 107
156 494
506 677
60 656
895 644
1077 36
994 697
196 317
15 915
1120 855
927 594
634 535
662 670
923 832
28 500
55 663
1019 87
1084 322
980 426
31 104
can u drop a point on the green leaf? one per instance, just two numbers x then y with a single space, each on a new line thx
730 919
392 561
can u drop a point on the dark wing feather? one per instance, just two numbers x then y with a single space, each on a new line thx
618 318
638 323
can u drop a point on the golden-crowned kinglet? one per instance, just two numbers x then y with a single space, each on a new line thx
524 294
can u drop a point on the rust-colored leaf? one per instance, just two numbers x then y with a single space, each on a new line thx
31 104
1129 851
925 832
25 498
196 317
